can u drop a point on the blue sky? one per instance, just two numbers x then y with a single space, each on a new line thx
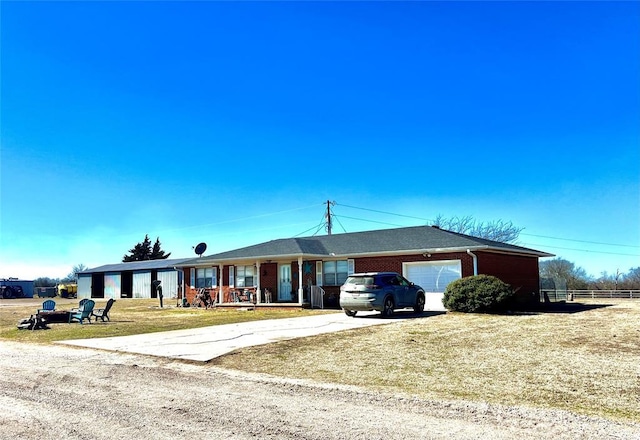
233 123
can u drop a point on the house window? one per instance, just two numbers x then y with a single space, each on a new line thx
334 273
206 277
192 278
319 273
245 276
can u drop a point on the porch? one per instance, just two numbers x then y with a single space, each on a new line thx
312 297
271 284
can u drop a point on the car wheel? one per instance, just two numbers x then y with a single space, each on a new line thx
387 310
419 307
351 313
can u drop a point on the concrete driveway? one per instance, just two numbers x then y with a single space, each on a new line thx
206 343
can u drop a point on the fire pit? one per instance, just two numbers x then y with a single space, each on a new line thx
54 316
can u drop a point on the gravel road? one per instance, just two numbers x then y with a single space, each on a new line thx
53 392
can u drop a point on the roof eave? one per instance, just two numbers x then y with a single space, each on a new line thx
218 261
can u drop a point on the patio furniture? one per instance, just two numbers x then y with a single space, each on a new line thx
84 312
47 306
82 301
54 316
103 313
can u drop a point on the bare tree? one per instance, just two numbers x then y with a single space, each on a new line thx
72 277
499 230
561 269
632 279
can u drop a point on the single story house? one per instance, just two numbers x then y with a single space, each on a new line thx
132 280
310 270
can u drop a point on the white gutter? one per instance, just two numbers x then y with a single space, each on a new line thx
475 261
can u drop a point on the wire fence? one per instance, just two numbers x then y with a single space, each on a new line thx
570 295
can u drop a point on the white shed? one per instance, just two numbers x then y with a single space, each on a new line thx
131 280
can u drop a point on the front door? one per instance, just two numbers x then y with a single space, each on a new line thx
284 291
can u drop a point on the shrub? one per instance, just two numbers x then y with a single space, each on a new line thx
478 294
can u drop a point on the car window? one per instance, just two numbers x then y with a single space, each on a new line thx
387 280
403 281
360 281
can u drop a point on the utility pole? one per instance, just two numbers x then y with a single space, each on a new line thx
329 217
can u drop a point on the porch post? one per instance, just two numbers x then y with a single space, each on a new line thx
220 283
300 290
258 301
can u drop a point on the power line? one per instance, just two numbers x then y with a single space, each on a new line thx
369 221
531 235
248 217
338 220
581 250
316 227
384 212
582 241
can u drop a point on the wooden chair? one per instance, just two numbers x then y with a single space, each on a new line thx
84 312
48 306
103 313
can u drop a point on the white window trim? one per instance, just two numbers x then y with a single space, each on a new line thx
214 275
254 275
319 273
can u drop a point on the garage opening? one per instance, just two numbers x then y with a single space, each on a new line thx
433 277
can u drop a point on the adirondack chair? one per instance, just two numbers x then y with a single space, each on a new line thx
82 301
103 313
48 306
84 312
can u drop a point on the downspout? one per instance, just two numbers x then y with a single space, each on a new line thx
258 284
300 289
220 282
178 299
475 261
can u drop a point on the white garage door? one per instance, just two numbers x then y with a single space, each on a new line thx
112 285
169 283
84 286
142 284
433 277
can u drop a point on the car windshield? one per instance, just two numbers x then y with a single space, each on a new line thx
360 281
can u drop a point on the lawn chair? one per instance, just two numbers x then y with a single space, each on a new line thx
84 312
48 306
103 313
82 301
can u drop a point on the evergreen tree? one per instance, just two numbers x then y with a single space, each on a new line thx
157 253
142 251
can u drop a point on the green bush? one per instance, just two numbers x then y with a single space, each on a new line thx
478 294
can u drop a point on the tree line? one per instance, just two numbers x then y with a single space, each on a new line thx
577 278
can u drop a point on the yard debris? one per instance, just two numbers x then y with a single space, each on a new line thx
33 323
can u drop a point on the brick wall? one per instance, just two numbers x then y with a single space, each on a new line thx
519 271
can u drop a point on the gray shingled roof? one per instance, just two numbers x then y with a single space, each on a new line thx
384 241
138 265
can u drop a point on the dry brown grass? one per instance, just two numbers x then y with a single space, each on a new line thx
587 362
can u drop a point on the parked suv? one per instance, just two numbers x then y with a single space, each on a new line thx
381 291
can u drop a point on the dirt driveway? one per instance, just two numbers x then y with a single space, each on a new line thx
53 391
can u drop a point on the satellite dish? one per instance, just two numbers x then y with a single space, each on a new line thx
201 248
